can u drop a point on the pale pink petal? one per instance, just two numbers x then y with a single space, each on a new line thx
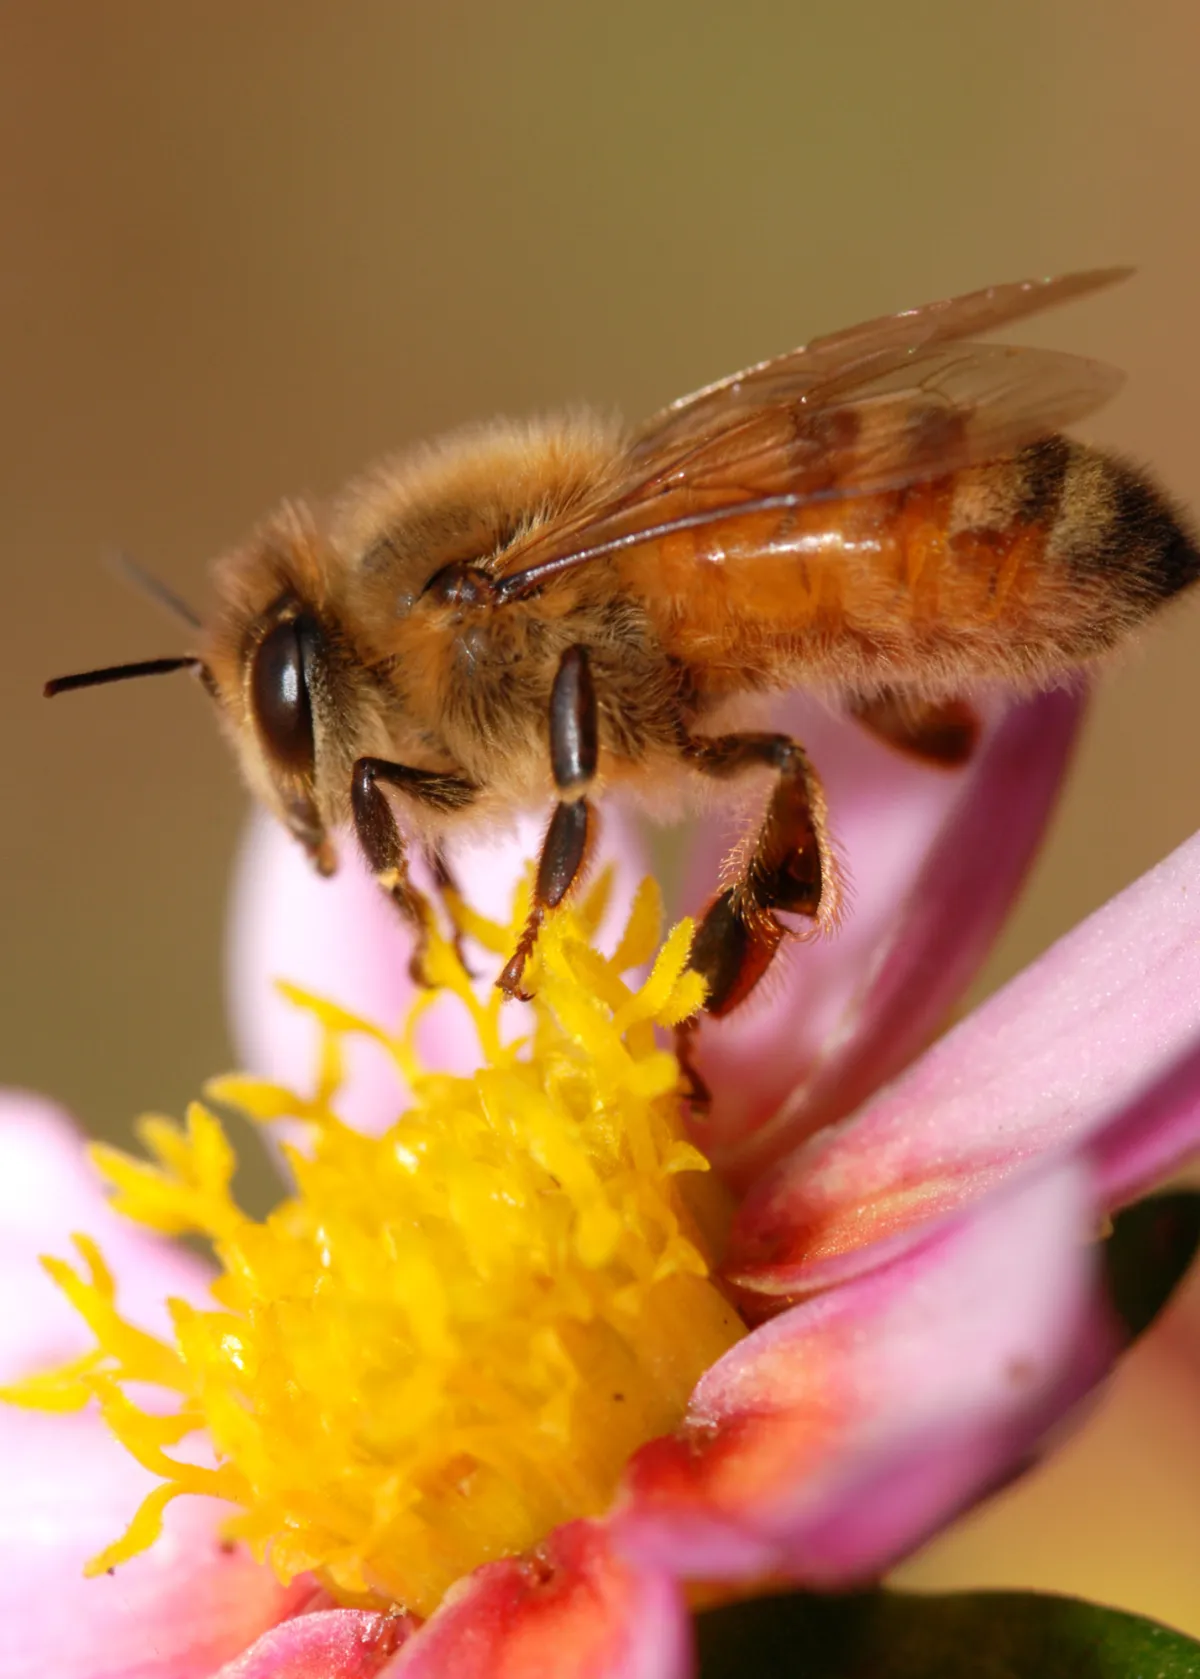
331 1644
176 1612
839 1435
334 937
68 1488
1097 1044
573 1610
340 939
47 1191
935 858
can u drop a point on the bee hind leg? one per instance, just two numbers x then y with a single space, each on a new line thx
573 753
382 843
942 732
790 867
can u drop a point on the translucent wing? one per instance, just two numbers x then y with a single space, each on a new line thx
897 401
942 409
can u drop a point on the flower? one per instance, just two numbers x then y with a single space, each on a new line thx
918 1256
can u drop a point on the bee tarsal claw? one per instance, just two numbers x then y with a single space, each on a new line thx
512 975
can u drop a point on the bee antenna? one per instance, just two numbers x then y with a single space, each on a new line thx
154 588
122 673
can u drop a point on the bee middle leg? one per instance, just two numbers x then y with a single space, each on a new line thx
382 843
790 867
574 748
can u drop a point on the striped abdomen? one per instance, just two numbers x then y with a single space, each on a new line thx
1019 568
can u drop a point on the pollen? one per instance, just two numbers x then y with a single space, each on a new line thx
451 1337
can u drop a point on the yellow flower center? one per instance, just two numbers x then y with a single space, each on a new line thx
451 1337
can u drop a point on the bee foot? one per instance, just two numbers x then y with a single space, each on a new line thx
461 959
511 975
693 1089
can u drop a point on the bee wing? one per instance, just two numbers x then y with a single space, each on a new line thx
842 361
942 409
893 419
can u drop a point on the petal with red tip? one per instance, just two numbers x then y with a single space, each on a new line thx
1096 1046
574 1610
934 858
835 1438
341 939
330 1644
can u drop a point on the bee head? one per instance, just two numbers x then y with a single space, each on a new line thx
288 685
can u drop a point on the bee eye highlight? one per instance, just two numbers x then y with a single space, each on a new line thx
280 696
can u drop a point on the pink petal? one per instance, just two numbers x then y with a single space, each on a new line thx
176 1612
1096 1044
935 858
331 1644
1156 1134
47 1191
572 1611
837 1437
340 939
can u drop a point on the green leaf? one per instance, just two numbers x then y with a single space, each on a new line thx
968 1635
1148 1253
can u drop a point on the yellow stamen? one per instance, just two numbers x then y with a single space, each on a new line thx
451 1337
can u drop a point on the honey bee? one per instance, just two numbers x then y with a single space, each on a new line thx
529 615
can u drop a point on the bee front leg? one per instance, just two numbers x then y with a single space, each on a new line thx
790 867
383 844
574 747
450 893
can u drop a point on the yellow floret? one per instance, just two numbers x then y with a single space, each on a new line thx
451 1337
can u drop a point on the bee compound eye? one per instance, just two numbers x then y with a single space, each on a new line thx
279 688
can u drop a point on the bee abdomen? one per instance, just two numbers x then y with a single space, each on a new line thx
1113 533
1056 555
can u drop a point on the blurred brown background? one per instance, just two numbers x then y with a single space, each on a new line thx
245 247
